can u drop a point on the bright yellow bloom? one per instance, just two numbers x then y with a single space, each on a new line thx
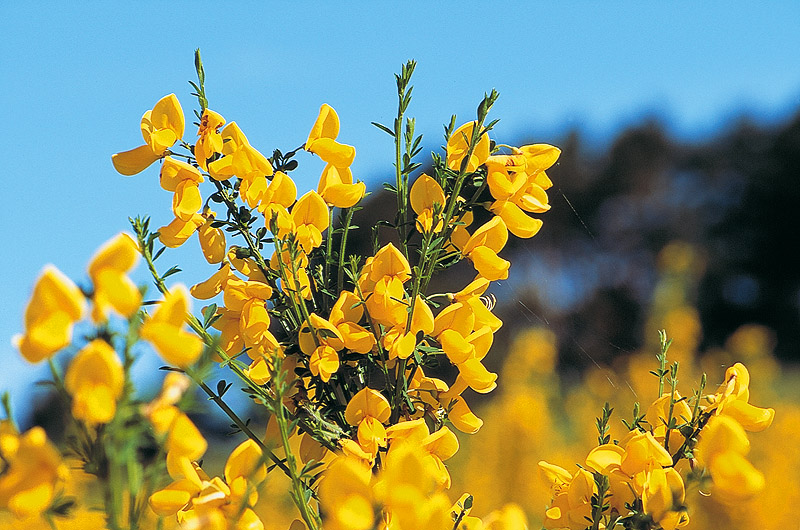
337 188
346 495
164 330
210 140
425 195
55 305
321 345
369 410
310 217
241 159
30 471
178 231
281 192
211 503
212 240
722 449
658 412
95 380
458 147
161 128
482 248
732 398
571 505
113 289
182 179
345 315
322 139
662 498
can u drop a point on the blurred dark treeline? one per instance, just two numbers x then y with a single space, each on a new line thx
590 272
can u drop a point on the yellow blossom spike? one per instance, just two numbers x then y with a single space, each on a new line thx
165 330
55 305
458 146
95 380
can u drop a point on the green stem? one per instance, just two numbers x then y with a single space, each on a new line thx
343 248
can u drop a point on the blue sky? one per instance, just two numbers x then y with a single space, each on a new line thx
76 80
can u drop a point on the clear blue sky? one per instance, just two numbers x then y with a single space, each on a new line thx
76 80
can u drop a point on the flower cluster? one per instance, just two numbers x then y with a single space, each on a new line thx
363 369
637 480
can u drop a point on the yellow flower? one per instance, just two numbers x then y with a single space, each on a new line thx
178 231
182 179
210 140
369 410
458 146
95 380
322 139
482 248
425 195
241 159
165 330
722 448
310 217
345 315
55 305
346 495
337 188
732 398
662 498
30 470
113 289
571 505
161 128
212 240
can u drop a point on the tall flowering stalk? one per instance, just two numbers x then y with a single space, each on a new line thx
339 348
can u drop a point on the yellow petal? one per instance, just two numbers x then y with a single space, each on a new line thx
212 286
119 253
463 418
605 458
489 264
518 223
134 161
246 460
367 402
751 418
425 193
332 152
187 200
178 231
326 126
